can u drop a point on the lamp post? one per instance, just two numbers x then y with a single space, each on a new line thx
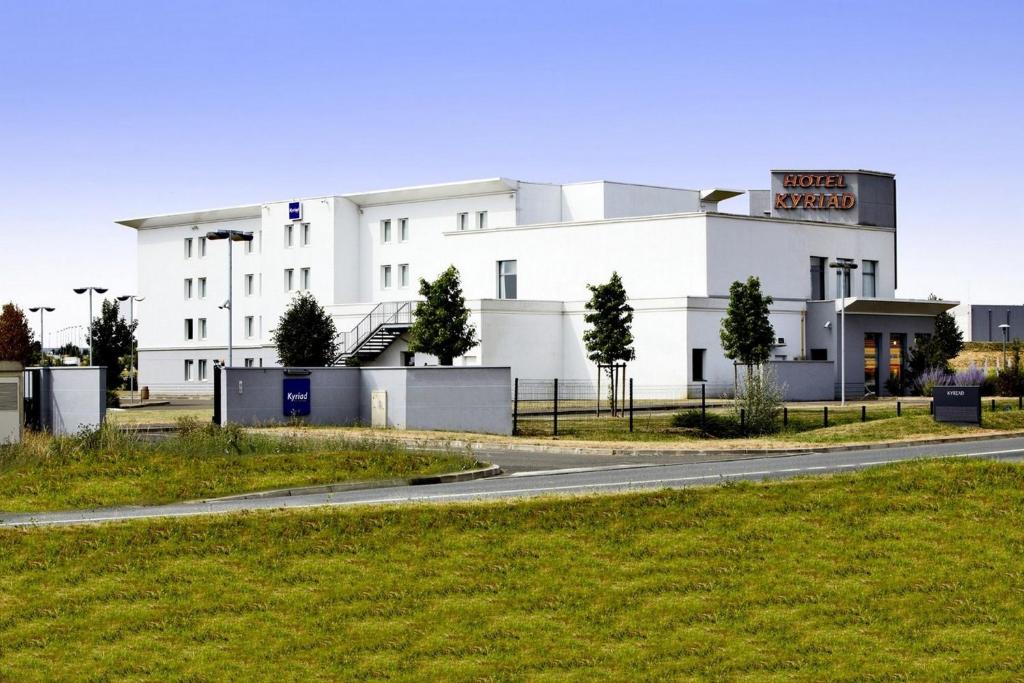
131 299
843 269
83 290
42 337
231 236
1006 335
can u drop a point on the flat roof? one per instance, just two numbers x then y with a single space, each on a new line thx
865 306
833 170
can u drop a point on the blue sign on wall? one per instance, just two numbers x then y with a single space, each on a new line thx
295 211
296 397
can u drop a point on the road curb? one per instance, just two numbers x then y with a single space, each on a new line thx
446 478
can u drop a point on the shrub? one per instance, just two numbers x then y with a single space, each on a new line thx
760 398
722 426
931 378
972 376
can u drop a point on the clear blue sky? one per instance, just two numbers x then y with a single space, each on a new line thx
111 110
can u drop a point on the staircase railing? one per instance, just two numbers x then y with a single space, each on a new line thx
384 313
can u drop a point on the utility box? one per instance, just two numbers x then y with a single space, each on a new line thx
379 408
12 415
67 400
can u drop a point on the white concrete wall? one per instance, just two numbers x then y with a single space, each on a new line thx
622 200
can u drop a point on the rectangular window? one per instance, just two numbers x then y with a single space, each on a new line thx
188 370
202 369
385 277
403 229
202 288
869 285
289 235
305 234
188 247
289 279
385 231
188 288
304 278
843 280
202 247
462 221
250 327
698 365
872 340
897 357
818 266
507 280
189 330
250 362
819 354
408 359
403 275
250 284
481 220
251 244
202 329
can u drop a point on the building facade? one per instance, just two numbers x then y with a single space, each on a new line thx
990 322
526 252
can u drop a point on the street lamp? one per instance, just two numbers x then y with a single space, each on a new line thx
42 337
233 236
131 299
83 290
1006 335
843 269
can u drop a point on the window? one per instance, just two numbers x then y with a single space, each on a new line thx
289 235
403 275
250 362
869 285
403 229
249 246
697 366
188 247
506 279
819 354
188 288
462 221
202 247
872 340
385 277
250 284
481 220
202 288
189 331
818 277
843 286
250 327
305 234
202 329
188 370
408 359
304 278
202 369
385 231
289 279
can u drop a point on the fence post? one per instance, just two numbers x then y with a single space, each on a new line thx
555 411
743 421
863 413
630 404
899 409
515 407
785 416
826 416
703 409
993 405
931 407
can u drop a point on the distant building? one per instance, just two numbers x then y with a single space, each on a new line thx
981 322
526 252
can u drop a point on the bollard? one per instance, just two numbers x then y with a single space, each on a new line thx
703 409
631 405
1020 403
931 407
993 405
515 408
826 416
899 409
863 413
785 416
555 411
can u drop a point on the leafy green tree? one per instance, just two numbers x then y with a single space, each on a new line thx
306 335
947 342
441 327
112 339
15 335
746 334
610 339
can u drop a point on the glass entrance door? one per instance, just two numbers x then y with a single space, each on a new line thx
897 357
872 340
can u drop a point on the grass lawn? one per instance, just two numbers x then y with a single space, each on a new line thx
158 415
112 467
905 572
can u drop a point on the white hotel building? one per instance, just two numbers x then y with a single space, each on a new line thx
526 252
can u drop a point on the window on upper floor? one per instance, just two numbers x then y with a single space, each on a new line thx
250 327
250 245
304 280
289 236
305 234
202 369
250 284
202 287
403 275
507 279
289 279
403 229
189 329
385 277
462 221
843 279
202 328
818 266
385 231
188 288
481 220
869 273
188 247
202 247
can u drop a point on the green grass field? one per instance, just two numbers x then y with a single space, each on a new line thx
910 572
112 467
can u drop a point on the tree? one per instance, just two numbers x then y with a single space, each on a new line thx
112 339
746 334
947 342
306 335
441 327
15 335
610 340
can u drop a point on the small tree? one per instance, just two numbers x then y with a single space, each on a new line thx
947 342
306 335
610 340
747 334
112 340
441 327
15 335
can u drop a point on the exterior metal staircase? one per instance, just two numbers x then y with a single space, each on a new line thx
376 331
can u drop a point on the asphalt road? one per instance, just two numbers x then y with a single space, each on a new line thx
598 475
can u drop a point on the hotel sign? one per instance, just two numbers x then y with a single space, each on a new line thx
815 191
296 397
295 211
957 404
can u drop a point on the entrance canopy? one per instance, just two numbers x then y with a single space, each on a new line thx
928 307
